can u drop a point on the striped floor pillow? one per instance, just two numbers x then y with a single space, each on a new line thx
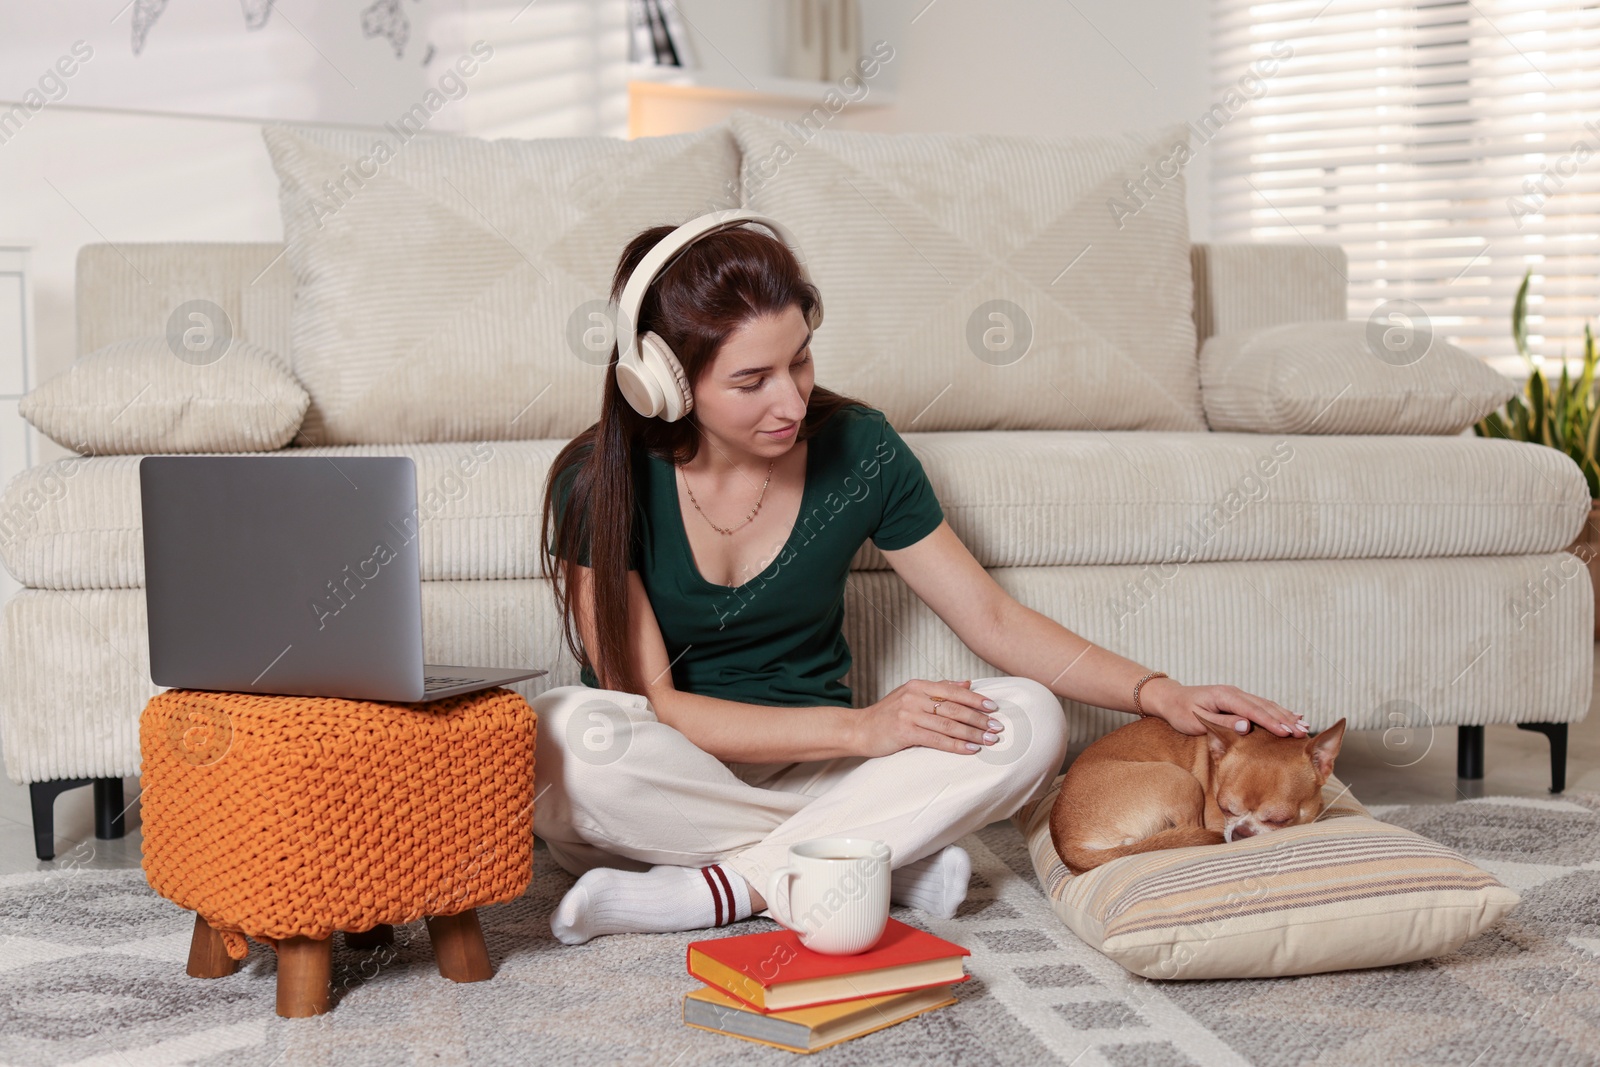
1341 892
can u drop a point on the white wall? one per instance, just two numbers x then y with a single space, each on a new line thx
1094 66
1031 66
73 175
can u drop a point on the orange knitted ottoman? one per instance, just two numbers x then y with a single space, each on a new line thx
287 818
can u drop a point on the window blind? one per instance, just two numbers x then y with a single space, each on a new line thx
560 68
1448 147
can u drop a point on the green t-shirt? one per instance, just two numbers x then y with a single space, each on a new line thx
778 639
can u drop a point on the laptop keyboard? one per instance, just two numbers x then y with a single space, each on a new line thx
433 682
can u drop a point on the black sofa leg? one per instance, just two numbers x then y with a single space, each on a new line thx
1469 752
109 820
43 797
1557 733
108 809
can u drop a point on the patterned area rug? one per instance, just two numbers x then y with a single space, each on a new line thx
93 973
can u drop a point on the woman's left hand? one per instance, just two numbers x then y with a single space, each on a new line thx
1185 706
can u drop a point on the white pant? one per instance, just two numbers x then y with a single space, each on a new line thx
616 787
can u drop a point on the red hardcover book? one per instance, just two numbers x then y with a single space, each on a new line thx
775 972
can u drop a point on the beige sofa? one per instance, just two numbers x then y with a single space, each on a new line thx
1410 583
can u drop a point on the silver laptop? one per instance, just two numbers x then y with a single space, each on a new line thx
293 575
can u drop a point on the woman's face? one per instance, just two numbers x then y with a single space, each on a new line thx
760 381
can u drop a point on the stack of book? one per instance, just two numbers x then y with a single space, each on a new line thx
772 989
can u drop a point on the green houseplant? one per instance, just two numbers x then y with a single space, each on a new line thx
1565 419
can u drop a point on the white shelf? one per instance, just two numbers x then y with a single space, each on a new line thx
18 444
682 82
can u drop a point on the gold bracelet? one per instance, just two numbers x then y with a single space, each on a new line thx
1153 674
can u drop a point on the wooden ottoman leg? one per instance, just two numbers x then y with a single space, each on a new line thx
458 946
208 956
305 969
362 940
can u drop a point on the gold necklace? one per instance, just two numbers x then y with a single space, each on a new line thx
753 510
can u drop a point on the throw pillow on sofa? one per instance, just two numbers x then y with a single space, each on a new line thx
441 285
135 396
1327 377
992 281
1342 892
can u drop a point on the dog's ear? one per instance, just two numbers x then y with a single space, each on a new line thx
1219 738
1324 748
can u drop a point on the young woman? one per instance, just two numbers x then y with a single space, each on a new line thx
704 570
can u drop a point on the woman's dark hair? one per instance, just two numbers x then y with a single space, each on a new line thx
709 290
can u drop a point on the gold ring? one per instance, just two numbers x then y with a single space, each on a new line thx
936 704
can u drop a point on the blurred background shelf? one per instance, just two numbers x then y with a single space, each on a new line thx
18 449
663 101
756 86
763 58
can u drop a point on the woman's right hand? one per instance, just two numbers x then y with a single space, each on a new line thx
906 717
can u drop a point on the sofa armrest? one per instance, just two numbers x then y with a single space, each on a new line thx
130 290
1249 286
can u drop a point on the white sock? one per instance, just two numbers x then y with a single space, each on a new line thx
607 900
937 884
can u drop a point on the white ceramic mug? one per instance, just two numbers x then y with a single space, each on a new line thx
834 893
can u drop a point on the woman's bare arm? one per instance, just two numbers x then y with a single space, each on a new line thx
754 733
730 730
1016 640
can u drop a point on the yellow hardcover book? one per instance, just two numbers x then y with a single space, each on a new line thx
808 1029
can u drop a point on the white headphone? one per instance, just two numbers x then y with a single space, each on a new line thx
648 372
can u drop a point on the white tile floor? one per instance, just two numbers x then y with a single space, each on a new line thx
1517 763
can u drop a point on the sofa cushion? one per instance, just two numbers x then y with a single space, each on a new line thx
1024 498
991 281
1332 377
137 396
438 285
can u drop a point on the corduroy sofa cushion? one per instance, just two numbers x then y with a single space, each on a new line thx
1338 378
137 396
440 289
1053 291
1028 498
